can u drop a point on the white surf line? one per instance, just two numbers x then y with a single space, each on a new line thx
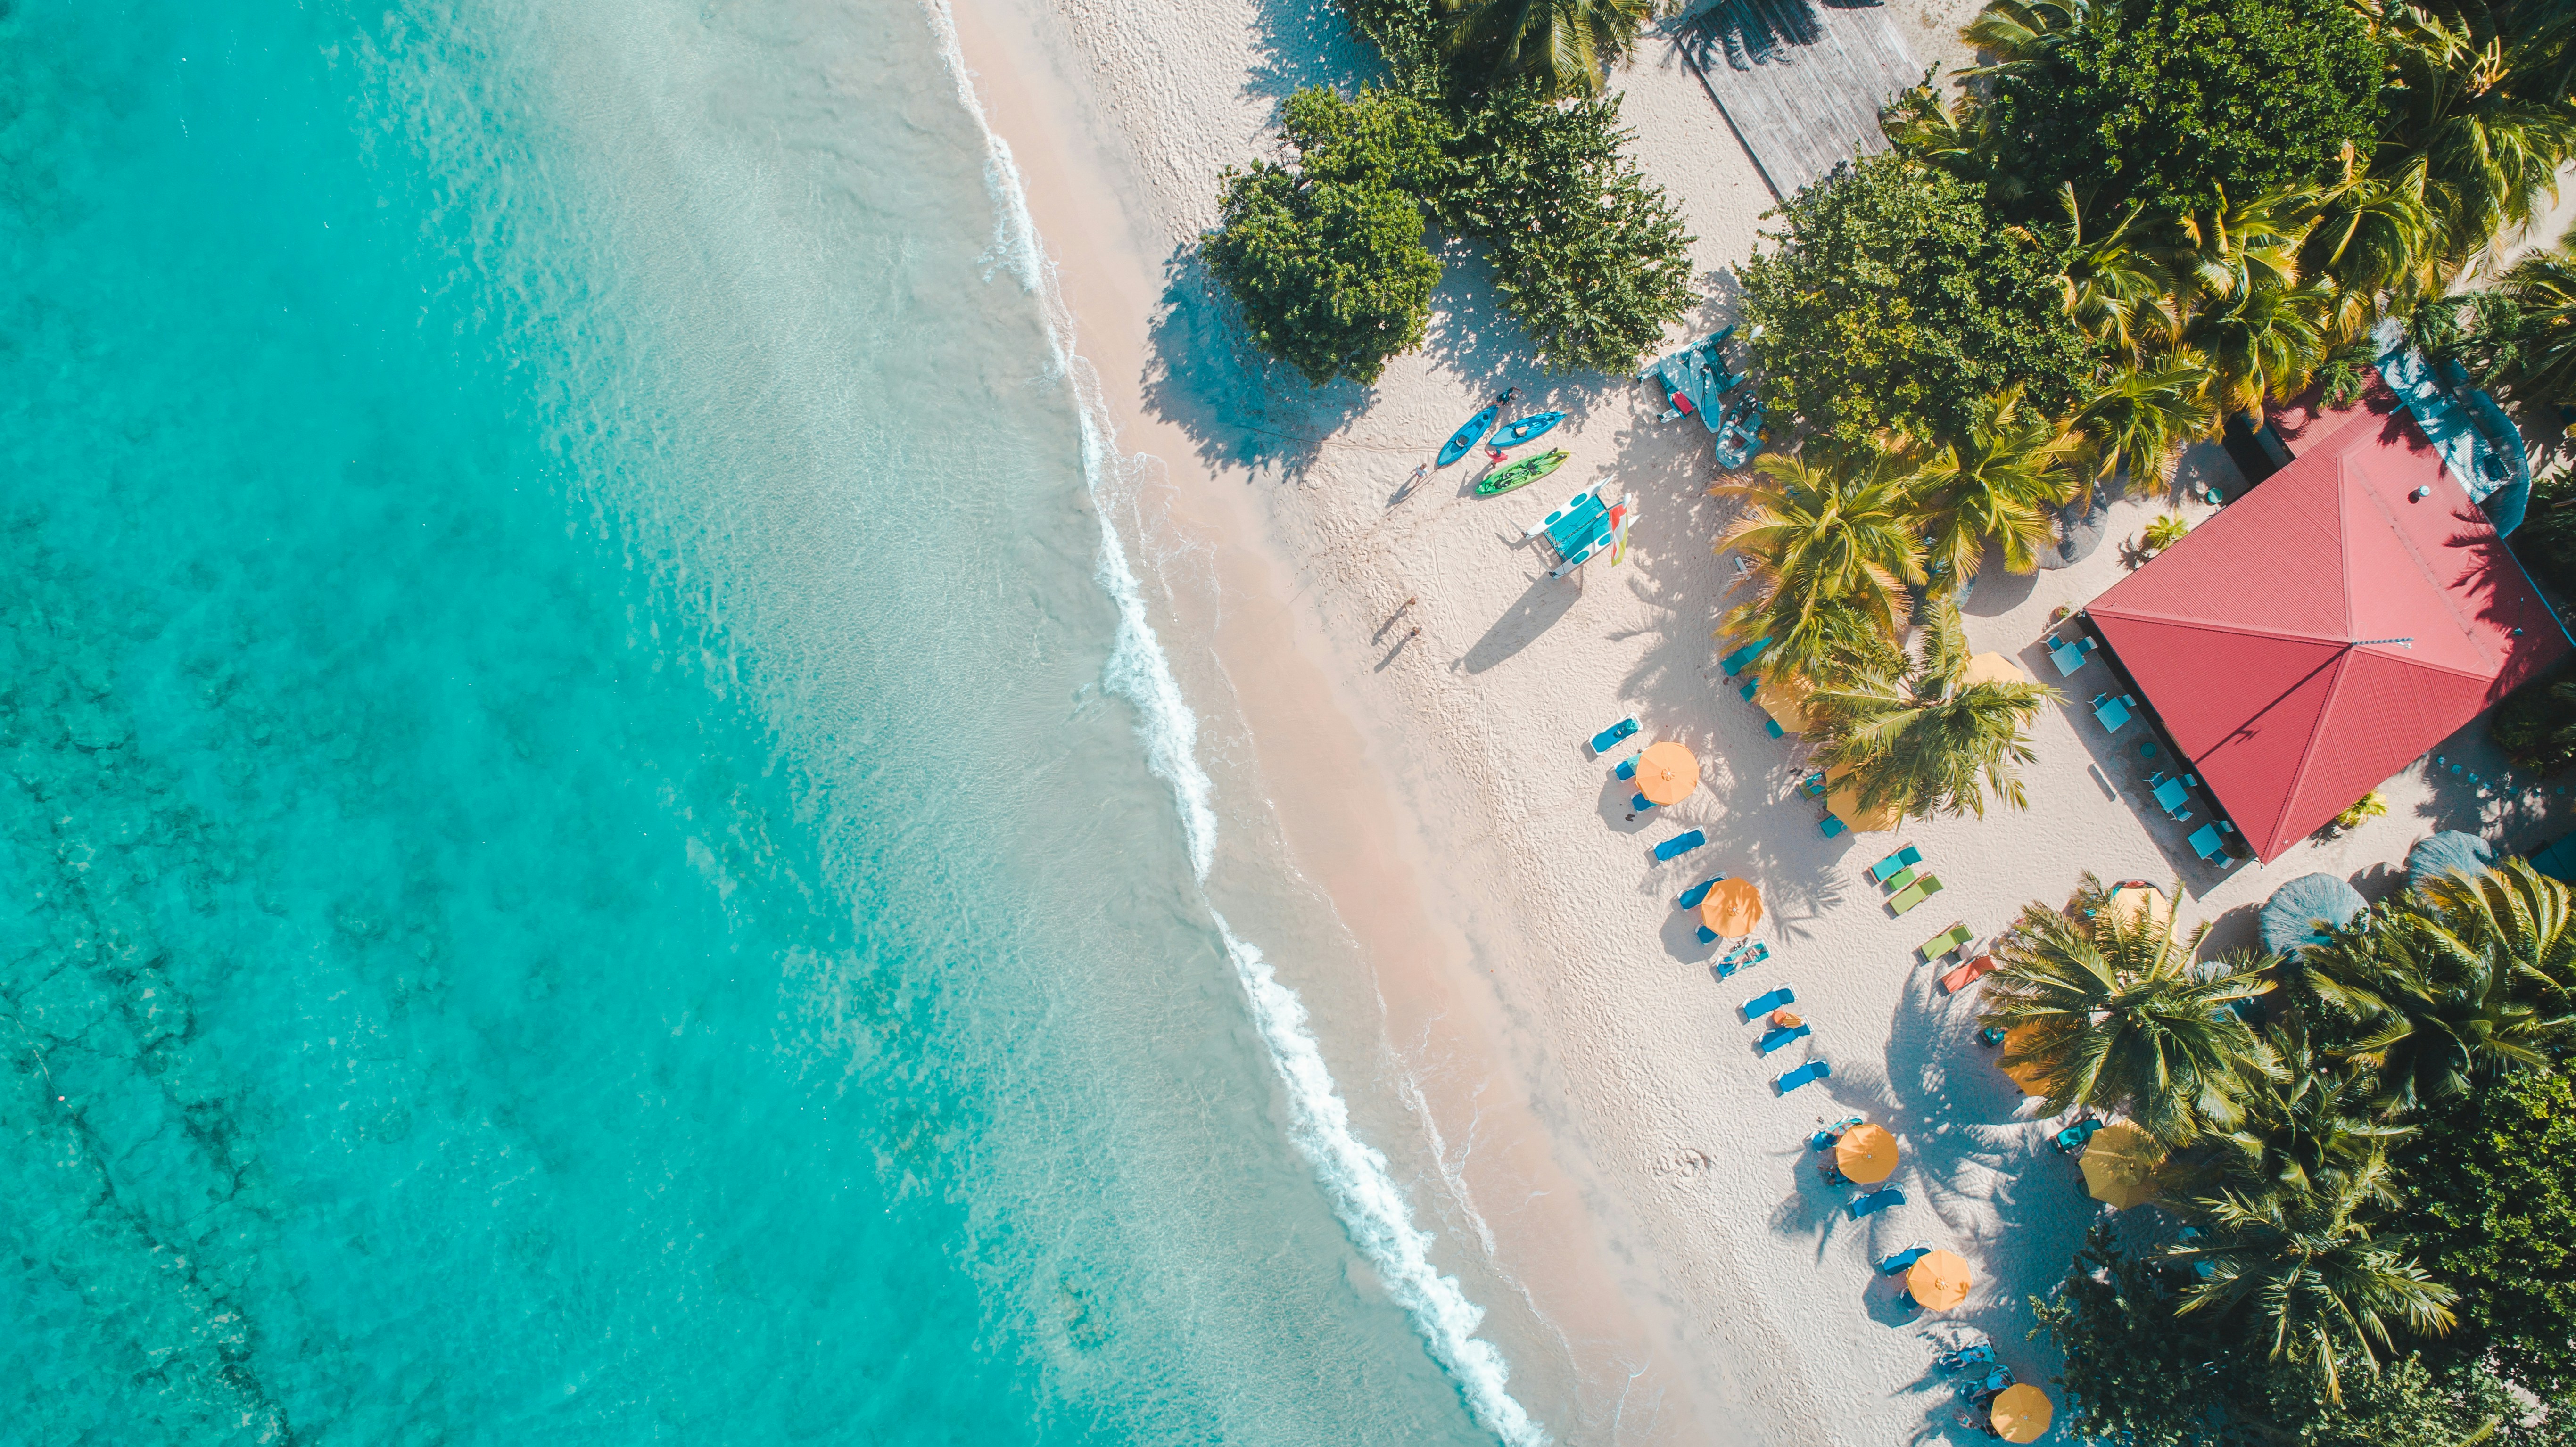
1354 1174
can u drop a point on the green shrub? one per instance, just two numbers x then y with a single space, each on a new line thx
1326 258
2167 101
2536 726
1894 301
2494 1210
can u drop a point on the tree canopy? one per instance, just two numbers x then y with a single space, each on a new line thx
1326 257
2168 101
1893 302
2491 1203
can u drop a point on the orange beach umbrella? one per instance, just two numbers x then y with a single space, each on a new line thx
1938 1282
2021 1413
1866 1153
2119 1165
1732 909
2030 1075
1667 772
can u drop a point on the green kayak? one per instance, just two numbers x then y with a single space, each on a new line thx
1528 469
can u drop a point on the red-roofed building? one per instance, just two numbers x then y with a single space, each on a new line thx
2267 643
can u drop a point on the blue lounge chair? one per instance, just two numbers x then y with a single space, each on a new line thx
1991 1036
1772 727
1813 786
1707 936
1980 1355
1679 845
1807 1074
1627 768
1742 658
1608 739
1887 869
1765 1004
1639 804
1697 892
1902 1259
1831 825
1876 1201
1751 687
1779 1035
1742 959
2072 1139
1824 1139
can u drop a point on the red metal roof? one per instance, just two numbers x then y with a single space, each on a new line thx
2243 635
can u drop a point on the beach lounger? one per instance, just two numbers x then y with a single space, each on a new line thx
1807 1074
1901 878
1824 1139
1627 768
1905 858
1742 959
1967 974
1679 845
1876 1201
1752 686
1914 894
1891 1265
1943 943
1639 804
1765 1004
1777 1036
1692 896
1772 727
1608 739
1742 658
1980 1355
1813 786
2072 1139
1831 825
1991 1036
1707 936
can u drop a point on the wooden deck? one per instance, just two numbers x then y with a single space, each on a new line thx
1800 82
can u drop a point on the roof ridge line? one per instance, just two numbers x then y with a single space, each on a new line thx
2218 627
2308 751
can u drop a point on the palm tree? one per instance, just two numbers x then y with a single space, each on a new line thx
2143 416
2238 247
2000 484
2265 341
2116 288
2377 240
2543 285
1923 738
1566 45
2021 35
2307 1129
2115 1015
2476 120
2481 978
1830 546
2306 1268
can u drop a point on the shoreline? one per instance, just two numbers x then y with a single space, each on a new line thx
1630 1192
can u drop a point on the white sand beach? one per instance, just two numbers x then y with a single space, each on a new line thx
1585 1081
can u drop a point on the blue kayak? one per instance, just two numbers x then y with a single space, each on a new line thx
1468 436
1522 429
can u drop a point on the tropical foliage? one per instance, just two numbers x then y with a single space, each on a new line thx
1326 256
1920 735
1893 303
1566 46
2536 724
1831 549
2382 1242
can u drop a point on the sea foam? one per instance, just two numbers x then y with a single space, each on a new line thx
1354 1174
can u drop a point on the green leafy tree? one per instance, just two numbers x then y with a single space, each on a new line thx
1565 46
1893 303
1829 539
2432 997
2115 1016
2492 1203
2140 418
2310 1277
2000 483
2546 543
2307 1129
2538 369
1326 258
1923 738
2536 725
2478 116
2165 101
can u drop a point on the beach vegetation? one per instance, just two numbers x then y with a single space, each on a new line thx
1996 485
1831 547
2108 1008
2536 724
2165 531
2490 1199
1891 302
1325 255
1918 734
2305 1128
1565 47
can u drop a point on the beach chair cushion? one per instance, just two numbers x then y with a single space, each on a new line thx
1772 727
1707 936
1967 974
1679 845
1604 741
1901 878
1640 803
1807 1074
1736 662
1915 893
1778 1036
1946 941
1903 1259
1765 1004
1813 785
1905 858
1697 892
1873 1202
1751 687
1627 768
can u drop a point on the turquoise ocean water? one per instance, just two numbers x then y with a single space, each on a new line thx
598 848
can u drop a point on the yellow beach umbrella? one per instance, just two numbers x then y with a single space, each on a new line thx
1991 668
2021 1413
2130 900
1785 699
1667 772
2120 1164
1842 798
1866 1153
1938 1282
1733 907
2030 1075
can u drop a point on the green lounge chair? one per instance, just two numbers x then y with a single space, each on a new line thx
1942 945
1915 893
1901 878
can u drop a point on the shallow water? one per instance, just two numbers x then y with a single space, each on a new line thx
592 841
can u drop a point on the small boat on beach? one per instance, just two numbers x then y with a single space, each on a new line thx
1527 470
1523 429
1474 432
1741 435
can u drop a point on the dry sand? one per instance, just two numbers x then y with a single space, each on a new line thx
1617 1179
